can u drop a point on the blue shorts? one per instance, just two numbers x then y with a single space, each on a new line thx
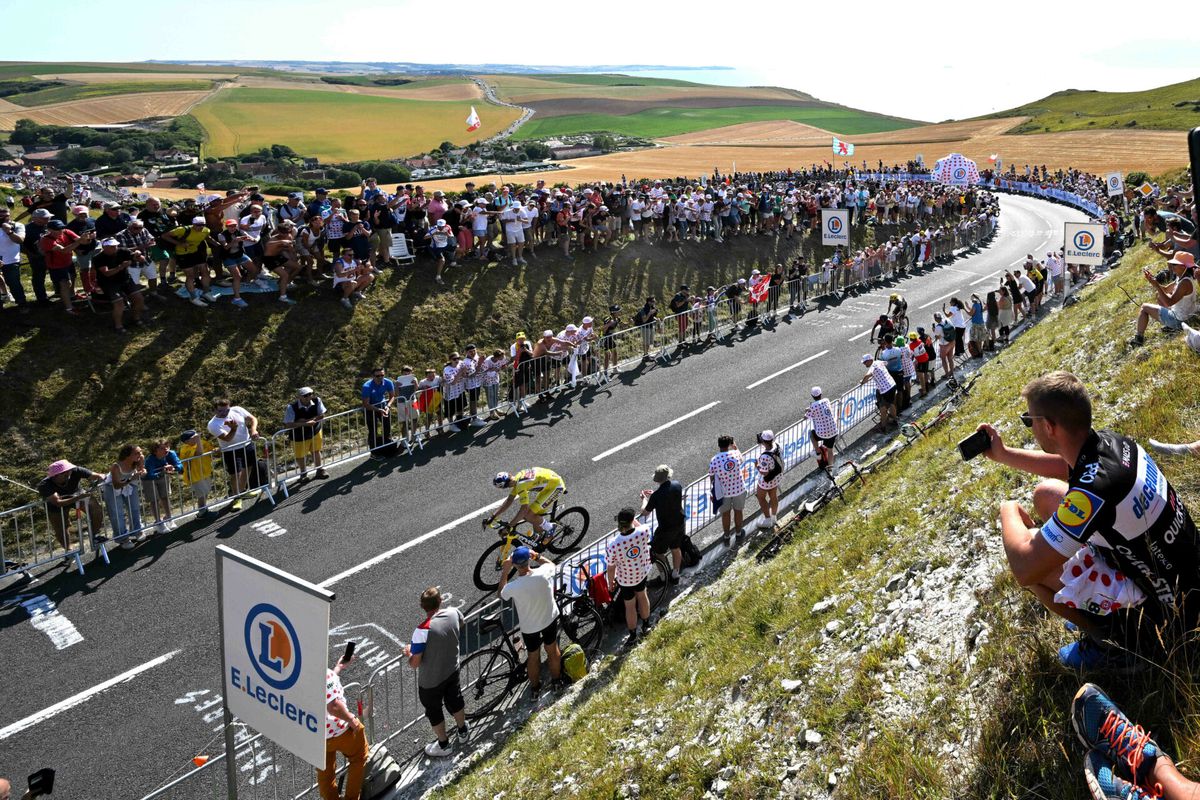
59 275
1167 317
235 261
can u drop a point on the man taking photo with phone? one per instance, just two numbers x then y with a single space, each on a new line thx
345 734
1117 553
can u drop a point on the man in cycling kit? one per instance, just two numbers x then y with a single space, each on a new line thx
1111 519
897 307
536 489
887 329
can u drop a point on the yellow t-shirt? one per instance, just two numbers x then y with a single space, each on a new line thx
189 239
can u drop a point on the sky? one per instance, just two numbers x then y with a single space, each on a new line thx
924 60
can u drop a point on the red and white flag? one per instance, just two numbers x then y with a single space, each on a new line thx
994 157
759 288
841 148
473 122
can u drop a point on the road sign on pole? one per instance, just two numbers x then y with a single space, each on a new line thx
274 651
835 226
1083 243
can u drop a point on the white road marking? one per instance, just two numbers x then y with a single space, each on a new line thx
985 277
959 271
857 337
659 429
384 556
45 616
787 369
939 299
87 694
269 527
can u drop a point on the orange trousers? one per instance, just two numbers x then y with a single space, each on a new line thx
353 745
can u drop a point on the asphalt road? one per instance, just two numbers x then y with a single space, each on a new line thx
154 611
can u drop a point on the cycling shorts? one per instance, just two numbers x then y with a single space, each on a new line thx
543 501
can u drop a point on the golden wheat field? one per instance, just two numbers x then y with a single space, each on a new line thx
106 110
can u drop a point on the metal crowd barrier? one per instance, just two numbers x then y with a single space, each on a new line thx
37 534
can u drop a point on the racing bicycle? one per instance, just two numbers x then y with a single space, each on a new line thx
571 525
833 491
491 674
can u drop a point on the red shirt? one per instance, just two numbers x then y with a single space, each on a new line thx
57 259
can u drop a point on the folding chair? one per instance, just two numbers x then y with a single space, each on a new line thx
402 249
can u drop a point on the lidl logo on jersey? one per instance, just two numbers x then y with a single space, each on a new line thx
1078 507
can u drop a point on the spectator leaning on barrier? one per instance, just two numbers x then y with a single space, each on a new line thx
769 468
345 734
62 493
121 495
434 652
161 464
666 503
1110 513
378 395
824 428
1176 301
406 413
197 471
728 487
885 391
532 593
304 418
628 557
235 429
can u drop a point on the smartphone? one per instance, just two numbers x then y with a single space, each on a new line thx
975 444
41 782
349 652
1194 157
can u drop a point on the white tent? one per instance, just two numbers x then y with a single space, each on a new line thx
956 169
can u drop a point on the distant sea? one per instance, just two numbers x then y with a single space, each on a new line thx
719 77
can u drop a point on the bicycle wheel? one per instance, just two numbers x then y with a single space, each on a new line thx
582 624
658 581
486 677
902 326
487 570
572 525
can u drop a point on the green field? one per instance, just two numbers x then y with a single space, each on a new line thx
1173 107
610 80
335 126
26 69
660 122
87 91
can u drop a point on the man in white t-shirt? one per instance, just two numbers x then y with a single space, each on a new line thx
628 557
1054 267
885 390
514 232
12 235
532 593
235 429
824 428
728 486
252 225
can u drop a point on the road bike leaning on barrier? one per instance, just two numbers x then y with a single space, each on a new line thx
570 526
833 491
491 674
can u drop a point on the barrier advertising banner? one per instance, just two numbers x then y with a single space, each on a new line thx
1083 243
274 649
835 226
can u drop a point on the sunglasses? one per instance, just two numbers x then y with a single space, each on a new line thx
1027 418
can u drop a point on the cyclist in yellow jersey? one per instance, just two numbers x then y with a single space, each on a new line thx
536 489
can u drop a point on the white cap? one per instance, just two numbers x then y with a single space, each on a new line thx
816 391
547 333
110 242
441 223
767 436
304 391
587 320
571 328
867 358
197 220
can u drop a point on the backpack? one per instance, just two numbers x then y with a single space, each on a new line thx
574 662
381 774
639 318
691 553
776 468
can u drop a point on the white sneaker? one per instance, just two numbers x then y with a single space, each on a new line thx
170 525
127 544
198 303
435 750
478 423
211 297
453 428
263 283
160 527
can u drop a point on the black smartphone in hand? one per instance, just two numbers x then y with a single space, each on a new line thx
976 444
349 653
41 782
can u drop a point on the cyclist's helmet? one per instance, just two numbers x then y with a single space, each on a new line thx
894 297
501 480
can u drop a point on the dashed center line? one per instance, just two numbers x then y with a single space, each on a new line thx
787 369
659 429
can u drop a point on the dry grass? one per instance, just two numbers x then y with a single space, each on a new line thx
526 89
436 90
120 77
104 110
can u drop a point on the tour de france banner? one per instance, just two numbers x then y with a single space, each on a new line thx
275 641
851 409
956 169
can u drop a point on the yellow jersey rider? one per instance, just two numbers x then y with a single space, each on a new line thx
536 489
897 307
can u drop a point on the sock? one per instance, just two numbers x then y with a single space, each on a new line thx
547 525
1171 449
444 742
463 729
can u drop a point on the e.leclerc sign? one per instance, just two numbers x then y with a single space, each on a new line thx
275 638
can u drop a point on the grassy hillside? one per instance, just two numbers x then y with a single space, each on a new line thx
660 122
1173 107
335 126
947 687
59 398
87 91
613 80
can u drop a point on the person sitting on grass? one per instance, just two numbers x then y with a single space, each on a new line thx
1118 554
350 277
1176 301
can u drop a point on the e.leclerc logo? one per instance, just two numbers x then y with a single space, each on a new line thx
835 225
1084 240
274 652
960 173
